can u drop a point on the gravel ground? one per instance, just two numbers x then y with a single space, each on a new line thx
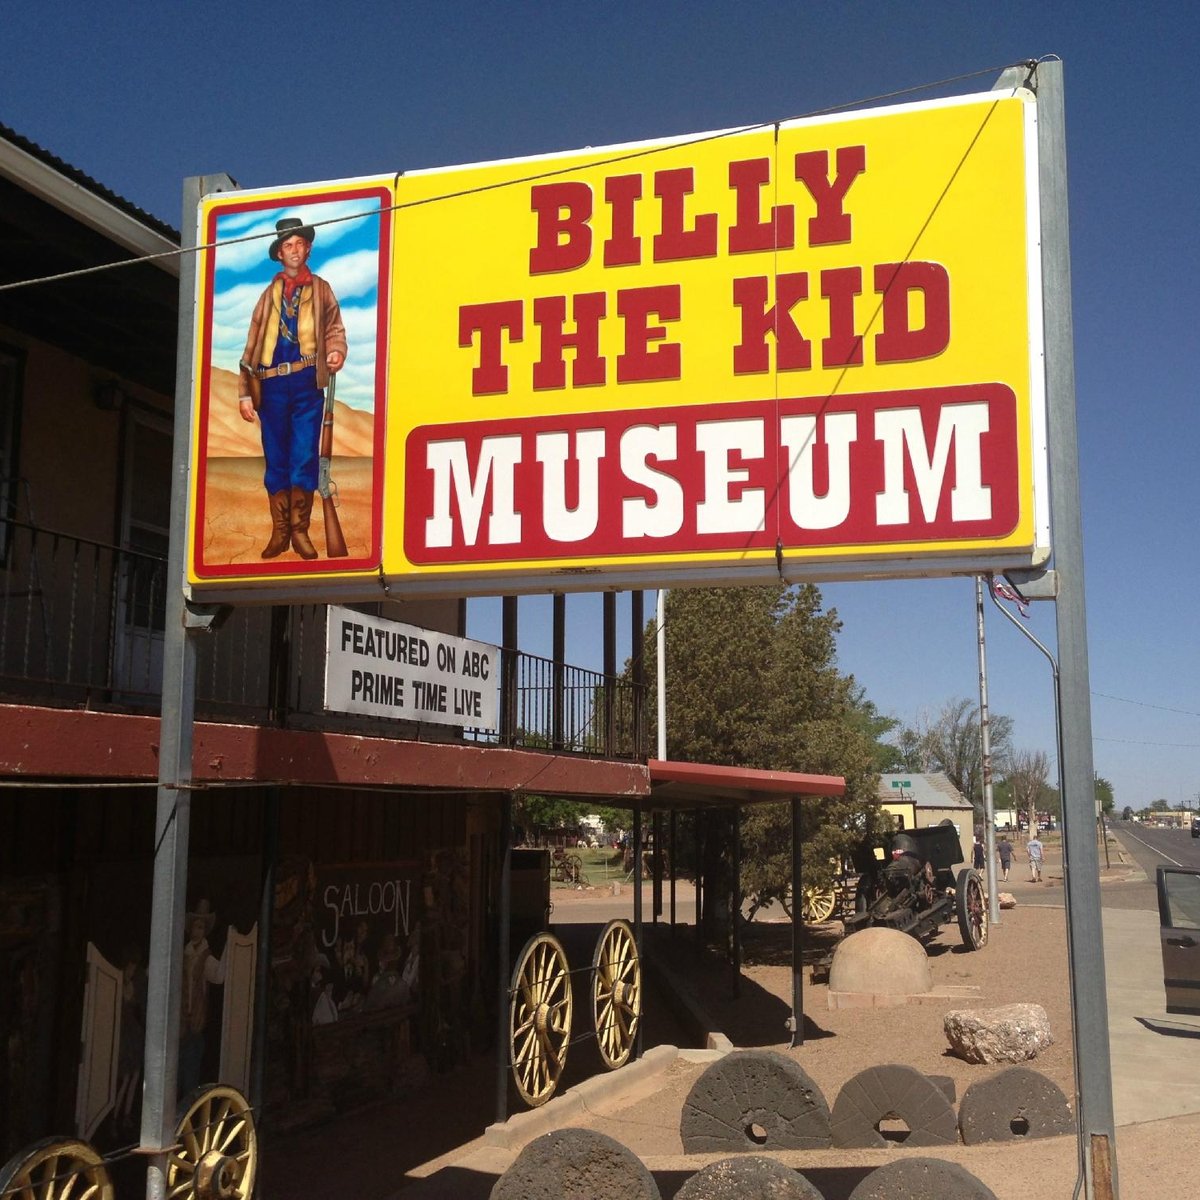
1025 960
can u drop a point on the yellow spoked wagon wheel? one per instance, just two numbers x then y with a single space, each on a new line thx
56 1169
616 993
539 1018
216 1151
817 904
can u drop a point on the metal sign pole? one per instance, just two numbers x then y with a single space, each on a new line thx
173 816
1081 866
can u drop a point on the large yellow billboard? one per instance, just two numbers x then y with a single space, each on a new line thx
810 349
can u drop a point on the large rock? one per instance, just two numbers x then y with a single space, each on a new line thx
898 1092
1015 1104
922 1179
749 1178
881 962
1007 900
1011 1034
576 1164
754 1100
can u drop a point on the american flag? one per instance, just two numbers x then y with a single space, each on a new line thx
1005 592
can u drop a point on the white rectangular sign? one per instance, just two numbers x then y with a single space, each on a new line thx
389 669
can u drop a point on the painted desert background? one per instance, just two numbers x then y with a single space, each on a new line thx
236 519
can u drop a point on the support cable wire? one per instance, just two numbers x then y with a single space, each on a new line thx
1030 64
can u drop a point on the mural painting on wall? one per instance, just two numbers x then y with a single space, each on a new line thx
29 952
368 941
219 939
346 977
451 1006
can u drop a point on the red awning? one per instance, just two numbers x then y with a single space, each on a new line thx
689 785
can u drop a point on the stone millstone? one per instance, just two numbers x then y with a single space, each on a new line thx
1010 1034
894 1091
747 1178
1016 1104
754 1100
922 1179
881 962
576 1164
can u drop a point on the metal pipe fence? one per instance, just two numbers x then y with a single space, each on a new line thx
81 624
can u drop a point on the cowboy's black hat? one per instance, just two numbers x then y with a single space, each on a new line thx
290 227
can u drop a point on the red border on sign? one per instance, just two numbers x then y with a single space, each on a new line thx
257 569
758 475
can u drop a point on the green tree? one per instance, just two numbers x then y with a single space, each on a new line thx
1104 793
952 742
752 680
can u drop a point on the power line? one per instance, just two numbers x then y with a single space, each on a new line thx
1029 64
1185 712
1132 742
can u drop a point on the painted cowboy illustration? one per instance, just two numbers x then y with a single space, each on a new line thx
295 346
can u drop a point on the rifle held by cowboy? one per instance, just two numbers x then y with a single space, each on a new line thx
335 542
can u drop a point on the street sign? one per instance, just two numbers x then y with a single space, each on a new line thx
389 669
809 350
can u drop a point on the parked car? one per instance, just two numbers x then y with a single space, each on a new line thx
1179 921
1196 827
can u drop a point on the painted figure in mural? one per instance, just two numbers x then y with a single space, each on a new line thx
325 1009
201 969
133 1040
356 966
296 343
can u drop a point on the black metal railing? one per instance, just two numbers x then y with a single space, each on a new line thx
81 623
569 709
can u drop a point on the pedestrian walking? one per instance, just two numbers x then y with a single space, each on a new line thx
978 855
1004 852
1034 849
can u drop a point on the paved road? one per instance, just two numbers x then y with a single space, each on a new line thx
1151 847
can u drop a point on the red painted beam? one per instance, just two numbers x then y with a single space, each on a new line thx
49 743
744 779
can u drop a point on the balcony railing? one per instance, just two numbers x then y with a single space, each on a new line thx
81 624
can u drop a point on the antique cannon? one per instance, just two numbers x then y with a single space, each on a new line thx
912 887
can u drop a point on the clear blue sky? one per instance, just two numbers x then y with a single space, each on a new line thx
140 95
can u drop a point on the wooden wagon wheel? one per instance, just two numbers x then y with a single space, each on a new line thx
56 1169
616 993
971 905
216 1151
539 1018
817 904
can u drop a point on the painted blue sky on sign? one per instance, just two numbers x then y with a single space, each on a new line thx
142 94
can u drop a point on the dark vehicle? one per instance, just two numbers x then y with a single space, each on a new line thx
915 889
1196 827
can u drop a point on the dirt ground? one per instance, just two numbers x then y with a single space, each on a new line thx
1025 960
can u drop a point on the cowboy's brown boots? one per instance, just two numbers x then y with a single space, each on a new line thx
301 514
281 527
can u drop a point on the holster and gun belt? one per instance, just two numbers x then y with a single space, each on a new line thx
287 368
